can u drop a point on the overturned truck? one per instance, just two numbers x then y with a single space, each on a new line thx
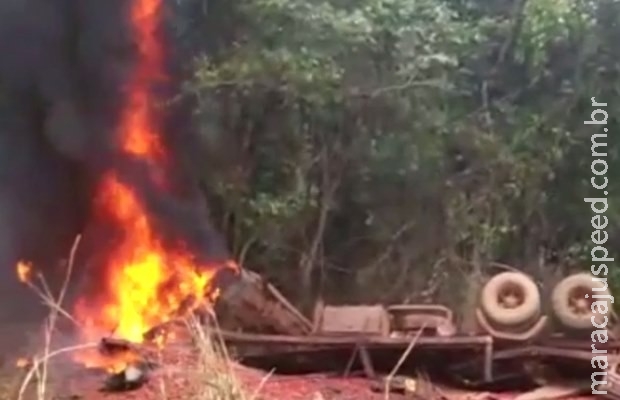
515 327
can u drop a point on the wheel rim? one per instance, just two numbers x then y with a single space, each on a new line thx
510 296
580 300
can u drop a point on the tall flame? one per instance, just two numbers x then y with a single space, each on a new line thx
138 134
146 284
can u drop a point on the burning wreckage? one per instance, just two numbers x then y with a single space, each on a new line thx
267 332
149 259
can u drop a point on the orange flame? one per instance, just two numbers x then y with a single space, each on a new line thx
138 135
22 362
24 271
146 284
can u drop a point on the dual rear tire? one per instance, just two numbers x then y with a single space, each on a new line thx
512 299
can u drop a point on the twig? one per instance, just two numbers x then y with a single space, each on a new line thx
69 272
260 386
45 289
505 267
244 250
50 303
51 322
162 382
400 362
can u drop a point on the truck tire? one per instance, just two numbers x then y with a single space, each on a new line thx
570 305
524 296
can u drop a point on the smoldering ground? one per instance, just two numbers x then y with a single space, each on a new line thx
63 64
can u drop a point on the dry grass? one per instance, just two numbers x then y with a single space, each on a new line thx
214 378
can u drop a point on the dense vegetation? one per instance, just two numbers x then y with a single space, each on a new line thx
381 149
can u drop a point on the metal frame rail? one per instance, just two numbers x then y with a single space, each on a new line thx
367 342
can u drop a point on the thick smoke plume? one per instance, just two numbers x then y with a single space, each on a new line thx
63 69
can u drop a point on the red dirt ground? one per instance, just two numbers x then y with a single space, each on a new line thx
181 384
180 379
281 388
292 388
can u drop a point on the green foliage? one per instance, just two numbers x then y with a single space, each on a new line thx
548 22
351 142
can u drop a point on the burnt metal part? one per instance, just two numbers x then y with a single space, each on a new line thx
427 341
253 304
612 346
567 352
114 346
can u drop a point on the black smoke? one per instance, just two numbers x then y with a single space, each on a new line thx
64 65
